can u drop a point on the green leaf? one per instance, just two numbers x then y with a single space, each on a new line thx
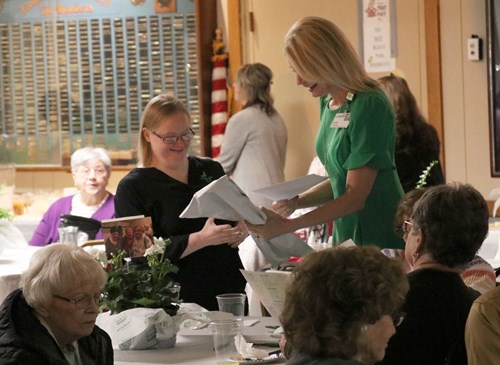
128 288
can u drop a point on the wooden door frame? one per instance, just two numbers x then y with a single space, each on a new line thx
433 67
205 22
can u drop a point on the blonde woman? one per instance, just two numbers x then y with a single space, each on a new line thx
51 320
161 188
355 142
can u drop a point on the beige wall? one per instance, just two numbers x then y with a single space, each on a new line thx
34 181
464 82
465 98
298 108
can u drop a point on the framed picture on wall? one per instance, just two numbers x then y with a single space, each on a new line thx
493 53
165 6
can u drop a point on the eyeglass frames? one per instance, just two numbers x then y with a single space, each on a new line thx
186 137
398 318
81 302
405 229
98 172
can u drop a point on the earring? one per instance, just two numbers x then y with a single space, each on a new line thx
416 255
364 328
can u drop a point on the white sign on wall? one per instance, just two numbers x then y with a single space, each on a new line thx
378 36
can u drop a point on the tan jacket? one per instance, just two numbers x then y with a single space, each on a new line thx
482 332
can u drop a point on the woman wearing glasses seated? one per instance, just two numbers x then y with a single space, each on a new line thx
477 273
51 320
162 186
342 306
91 168
447 227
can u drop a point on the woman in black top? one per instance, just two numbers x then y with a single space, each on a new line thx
162 186
417 143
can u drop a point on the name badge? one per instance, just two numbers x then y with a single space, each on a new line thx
341 120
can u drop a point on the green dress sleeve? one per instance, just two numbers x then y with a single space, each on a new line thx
371 130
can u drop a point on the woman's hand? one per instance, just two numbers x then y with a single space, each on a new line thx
213 234
243 230
286 207
275 225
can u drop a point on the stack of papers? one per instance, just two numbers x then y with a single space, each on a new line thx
223 199
292 188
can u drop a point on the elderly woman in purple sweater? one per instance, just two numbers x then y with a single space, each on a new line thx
91 168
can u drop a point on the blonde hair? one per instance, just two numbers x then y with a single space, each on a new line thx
320 52
57 269
255 81
158 108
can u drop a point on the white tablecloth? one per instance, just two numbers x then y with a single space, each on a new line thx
195 347
13 261
490 249
27 225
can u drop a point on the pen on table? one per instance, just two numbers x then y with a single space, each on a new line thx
277 353
272 327
267 344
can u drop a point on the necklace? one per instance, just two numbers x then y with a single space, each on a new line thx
342 108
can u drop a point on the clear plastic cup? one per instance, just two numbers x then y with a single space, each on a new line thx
227 336
232 303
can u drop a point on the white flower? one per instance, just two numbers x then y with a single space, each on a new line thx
157 248
99 255
160 242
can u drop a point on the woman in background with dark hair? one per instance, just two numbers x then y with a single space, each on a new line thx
417 143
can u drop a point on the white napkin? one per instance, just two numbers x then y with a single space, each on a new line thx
246 350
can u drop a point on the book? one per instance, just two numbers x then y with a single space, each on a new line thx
132 234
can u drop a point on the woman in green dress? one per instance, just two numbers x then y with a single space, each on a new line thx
355 143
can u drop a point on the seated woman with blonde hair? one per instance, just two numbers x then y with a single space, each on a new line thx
51 320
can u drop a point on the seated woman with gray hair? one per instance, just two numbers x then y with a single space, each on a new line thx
51 320
446 229
91 169
342 306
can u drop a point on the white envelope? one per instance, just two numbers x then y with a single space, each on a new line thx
223 199
289 189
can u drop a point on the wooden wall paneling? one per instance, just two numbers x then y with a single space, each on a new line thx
206 22
434 80
234 48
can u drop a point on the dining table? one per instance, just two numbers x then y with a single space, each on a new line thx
27 224
490 249
195 346
13 261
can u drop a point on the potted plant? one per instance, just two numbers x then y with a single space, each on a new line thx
142 282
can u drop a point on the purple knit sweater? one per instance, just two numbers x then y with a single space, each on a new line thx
47 232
